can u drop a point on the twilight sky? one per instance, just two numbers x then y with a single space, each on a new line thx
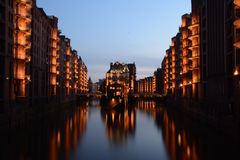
105 31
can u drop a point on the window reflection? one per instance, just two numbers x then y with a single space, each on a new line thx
119 124
177 139
65 139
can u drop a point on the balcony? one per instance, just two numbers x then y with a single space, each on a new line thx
54 35
26 30
68 78
194 57
24 45
237 39
54 45
237 23
19 70
194 67
53 70
237 44
193 25
19 76
28 45
20 53
25 15
237 2
53 61
55 39
53 80
237 19
68 64
194 46
193 36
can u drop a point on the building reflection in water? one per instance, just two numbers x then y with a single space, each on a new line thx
177 140
53 137
61 135
119 124
65 139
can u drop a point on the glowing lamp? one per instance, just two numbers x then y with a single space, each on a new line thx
236 71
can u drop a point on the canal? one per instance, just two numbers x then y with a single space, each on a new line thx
146 130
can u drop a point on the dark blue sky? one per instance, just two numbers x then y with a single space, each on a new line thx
105 31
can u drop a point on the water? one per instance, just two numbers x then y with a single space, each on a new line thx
147 130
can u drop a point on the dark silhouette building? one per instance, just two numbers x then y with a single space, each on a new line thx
132 78
159 81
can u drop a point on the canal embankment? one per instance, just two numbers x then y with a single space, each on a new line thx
215 114
20 116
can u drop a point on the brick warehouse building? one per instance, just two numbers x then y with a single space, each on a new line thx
121 79
36 67
209 58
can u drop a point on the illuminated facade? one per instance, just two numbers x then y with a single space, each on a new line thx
74 81
22 46
152 85
181 63
37 64
85 79
175 52
195 57
209 60
68 67
186 72
75 71
147 85
54 64
120 79
41 56
236 57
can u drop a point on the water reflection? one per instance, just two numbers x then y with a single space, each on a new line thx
66 139
175 138
119 124
147 130
54 137
177 141
186 140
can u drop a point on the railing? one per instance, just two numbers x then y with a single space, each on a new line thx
19 76
237 18
237 13
237 37
237 2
